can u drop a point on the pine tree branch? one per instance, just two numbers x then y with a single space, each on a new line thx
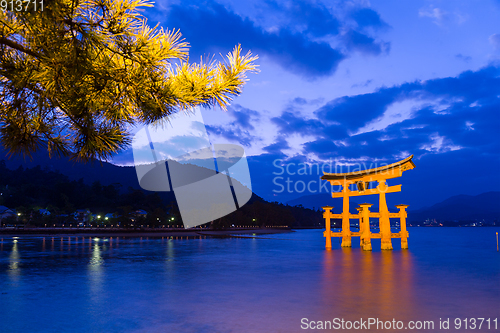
96 67
19 47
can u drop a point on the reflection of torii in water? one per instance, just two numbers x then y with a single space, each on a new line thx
362 180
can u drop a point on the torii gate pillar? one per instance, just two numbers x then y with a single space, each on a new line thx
328 230
365 234
402 223
384 223
346 226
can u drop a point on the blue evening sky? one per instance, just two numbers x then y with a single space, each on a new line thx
357 82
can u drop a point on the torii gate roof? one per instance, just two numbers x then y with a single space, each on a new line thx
391 171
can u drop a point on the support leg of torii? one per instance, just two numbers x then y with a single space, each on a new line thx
346 226
366 234
384 223
402 223
361 226
328 230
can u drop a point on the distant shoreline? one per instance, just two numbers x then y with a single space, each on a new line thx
102 232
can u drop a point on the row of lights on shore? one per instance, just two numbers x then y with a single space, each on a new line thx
170 220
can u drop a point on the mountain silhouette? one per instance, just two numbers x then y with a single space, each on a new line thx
105 173
457 208
485 206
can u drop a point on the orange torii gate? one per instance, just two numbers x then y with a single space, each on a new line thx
362 179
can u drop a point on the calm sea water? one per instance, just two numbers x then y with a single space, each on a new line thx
264 284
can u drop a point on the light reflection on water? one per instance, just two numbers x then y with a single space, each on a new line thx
359 284
266 284
14 257
95 272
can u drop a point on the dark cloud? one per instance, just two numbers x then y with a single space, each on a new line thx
463 126
472 86
277 147
366 17
317 19
469 122
288 123
243 116
353 112
363 84
299 46
213 28
243 119
232 133
462 57
360 42
299 100
238 130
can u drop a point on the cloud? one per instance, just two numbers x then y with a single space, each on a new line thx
232 134
441 17
240 129
394 113
363 84
438 15
439 144
243 116
462 57
318 21
470 86
289 123
306 40
299 101
355 111
357 41
430 117
277 147
366 17
495 41
213 28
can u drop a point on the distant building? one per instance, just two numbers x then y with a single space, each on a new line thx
82 215
138 214
110 216
44 212
7 212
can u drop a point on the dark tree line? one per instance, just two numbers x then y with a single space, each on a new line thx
29 190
